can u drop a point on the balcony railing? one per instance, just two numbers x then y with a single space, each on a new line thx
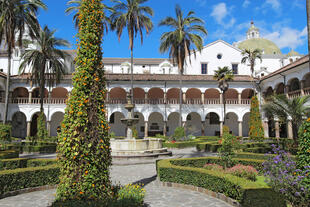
193 101
307 91
37 101
212 101
294 94
232 101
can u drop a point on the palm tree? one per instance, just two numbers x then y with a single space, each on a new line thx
74 8
283 107
135 18
251 57
46 62
15 15
179 41
308 26
223 75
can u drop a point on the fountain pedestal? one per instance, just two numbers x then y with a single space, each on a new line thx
136 148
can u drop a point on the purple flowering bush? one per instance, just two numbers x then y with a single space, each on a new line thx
284 177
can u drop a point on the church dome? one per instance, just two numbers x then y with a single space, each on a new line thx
254 41
265 45
292 53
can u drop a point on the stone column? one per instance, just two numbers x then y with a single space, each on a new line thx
145 97
28 128
165 97
239 98
146 129
183 125
302 86
290 130
221 128
202 128
221 98
266 128
30 97
184 97
202 98
240 128
165 128
48 127
49 97
286 90
277 128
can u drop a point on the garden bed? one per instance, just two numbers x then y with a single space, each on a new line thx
190 172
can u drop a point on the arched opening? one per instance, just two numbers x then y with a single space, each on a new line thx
245 124
56 123
117 96
155 96
247 94
34 124
231 120
231 96
294 85
193 96
173 95
155 124
306 81
193 124
280 88
212 124
140 125
116 126
19 125
36 93
59 93
268 92
138 96
20 95
271 127
2 94
172 122
212 96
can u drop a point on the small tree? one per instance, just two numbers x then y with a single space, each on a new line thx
42 132
256 127
303 157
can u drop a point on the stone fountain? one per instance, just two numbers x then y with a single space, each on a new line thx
131 147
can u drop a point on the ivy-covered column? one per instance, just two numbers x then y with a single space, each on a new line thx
83 144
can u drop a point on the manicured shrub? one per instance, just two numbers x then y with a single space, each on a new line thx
42 132
179 134
5 132
256 131
84 144
211 166
12 180
10 164
9 154
243 171
283 176
246 192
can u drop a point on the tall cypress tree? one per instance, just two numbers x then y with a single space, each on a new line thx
256 126
83 145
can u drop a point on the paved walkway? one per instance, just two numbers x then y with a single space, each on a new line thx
156 196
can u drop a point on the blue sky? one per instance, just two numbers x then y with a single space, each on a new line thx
282 21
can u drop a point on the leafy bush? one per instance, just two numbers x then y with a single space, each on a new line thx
283 176
303 157
179 134
10 164
246 192
211 166
9 154
42 132
243 171
5 132
256 131
134 132
131 195
12 180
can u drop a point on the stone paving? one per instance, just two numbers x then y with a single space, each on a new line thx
156 195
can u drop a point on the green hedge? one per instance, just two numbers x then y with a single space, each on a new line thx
246 192
191 143
5 132
208 146
9 154
12 180
10 164
40 147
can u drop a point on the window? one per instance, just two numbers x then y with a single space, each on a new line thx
204 68
235 68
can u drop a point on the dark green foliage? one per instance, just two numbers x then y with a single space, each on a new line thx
10 164
11 180
7 154
42 147
189 143
208 146
256 131
42 132
5 132
303 156
179 134
248 193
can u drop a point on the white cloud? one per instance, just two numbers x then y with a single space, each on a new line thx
298 4
275 4
288 37
201 2
219 12
246 3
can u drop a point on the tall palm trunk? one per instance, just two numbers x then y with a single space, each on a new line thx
131 71
308 27
224 105
42 95
180 99
7 87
